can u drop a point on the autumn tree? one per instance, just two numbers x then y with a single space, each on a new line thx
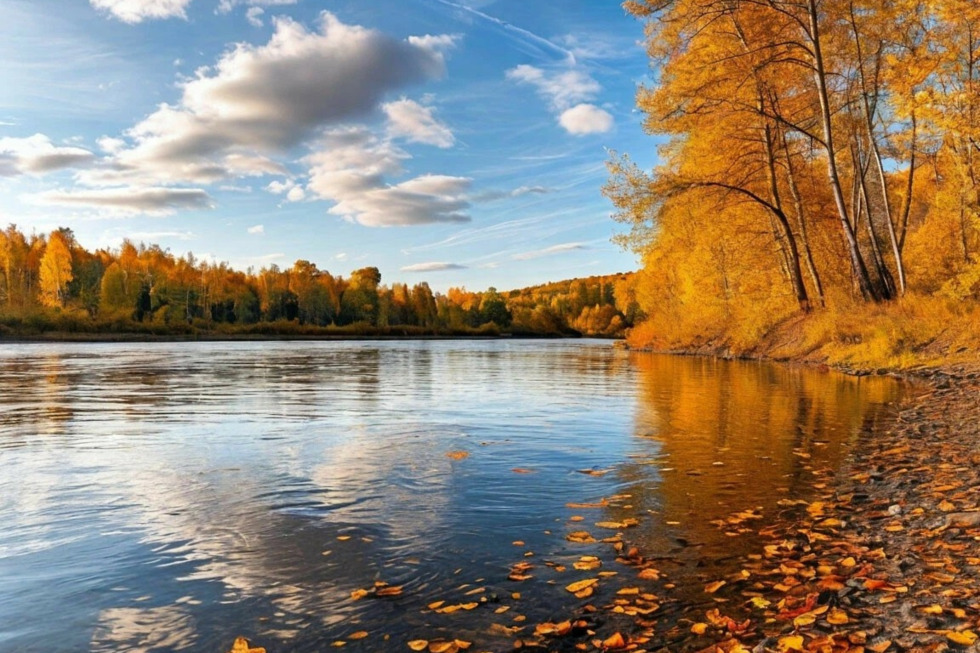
55 272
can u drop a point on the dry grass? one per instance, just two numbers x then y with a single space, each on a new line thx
913 332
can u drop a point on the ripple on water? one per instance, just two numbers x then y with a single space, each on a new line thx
170 496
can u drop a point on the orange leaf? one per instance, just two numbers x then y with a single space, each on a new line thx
580 585
837 617
614 642
711 588
963 638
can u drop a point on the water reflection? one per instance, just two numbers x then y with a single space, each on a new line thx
172 496
718 438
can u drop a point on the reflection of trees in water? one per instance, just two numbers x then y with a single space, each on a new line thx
35 397
719 437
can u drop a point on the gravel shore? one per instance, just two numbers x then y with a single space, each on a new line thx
888 559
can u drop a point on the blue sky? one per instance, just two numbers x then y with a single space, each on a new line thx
462 142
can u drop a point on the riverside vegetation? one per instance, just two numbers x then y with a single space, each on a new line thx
50 284
819 192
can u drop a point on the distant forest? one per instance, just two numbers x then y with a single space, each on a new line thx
51 284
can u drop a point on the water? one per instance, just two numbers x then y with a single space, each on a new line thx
171 496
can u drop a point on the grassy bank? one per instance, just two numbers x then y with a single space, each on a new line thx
915 333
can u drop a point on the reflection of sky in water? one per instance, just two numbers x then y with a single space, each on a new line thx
192 492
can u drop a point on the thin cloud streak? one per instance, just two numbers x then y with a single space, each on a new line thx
550 251
434 266
520 32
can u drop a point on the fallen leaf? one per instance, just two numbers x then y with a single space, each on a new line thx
791 643
393 590
837 617
963 638
699 628
580 536
580 585
649 574
586 563
552 629
711 588
615 641
241 645
805 619
358 594
361 634
457 455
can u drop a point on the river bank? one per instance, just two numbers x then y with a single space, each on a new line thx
885 558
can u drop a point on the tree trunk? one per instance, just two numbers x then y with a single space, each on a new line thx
801 222
858 267
903 224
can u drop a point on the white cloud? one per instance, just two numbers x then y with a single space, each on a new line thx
550 251
567 92
562 89
254 16
136 11
257 229
154 201
37 155
416 123
586 119
341 257
280 187
350 169
259 101
110 145
293 191
432 267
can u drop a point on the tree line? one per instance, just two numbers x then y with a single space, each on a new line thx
50 282
813 153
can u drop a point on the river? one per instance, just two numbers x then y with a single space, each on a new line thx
171 496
